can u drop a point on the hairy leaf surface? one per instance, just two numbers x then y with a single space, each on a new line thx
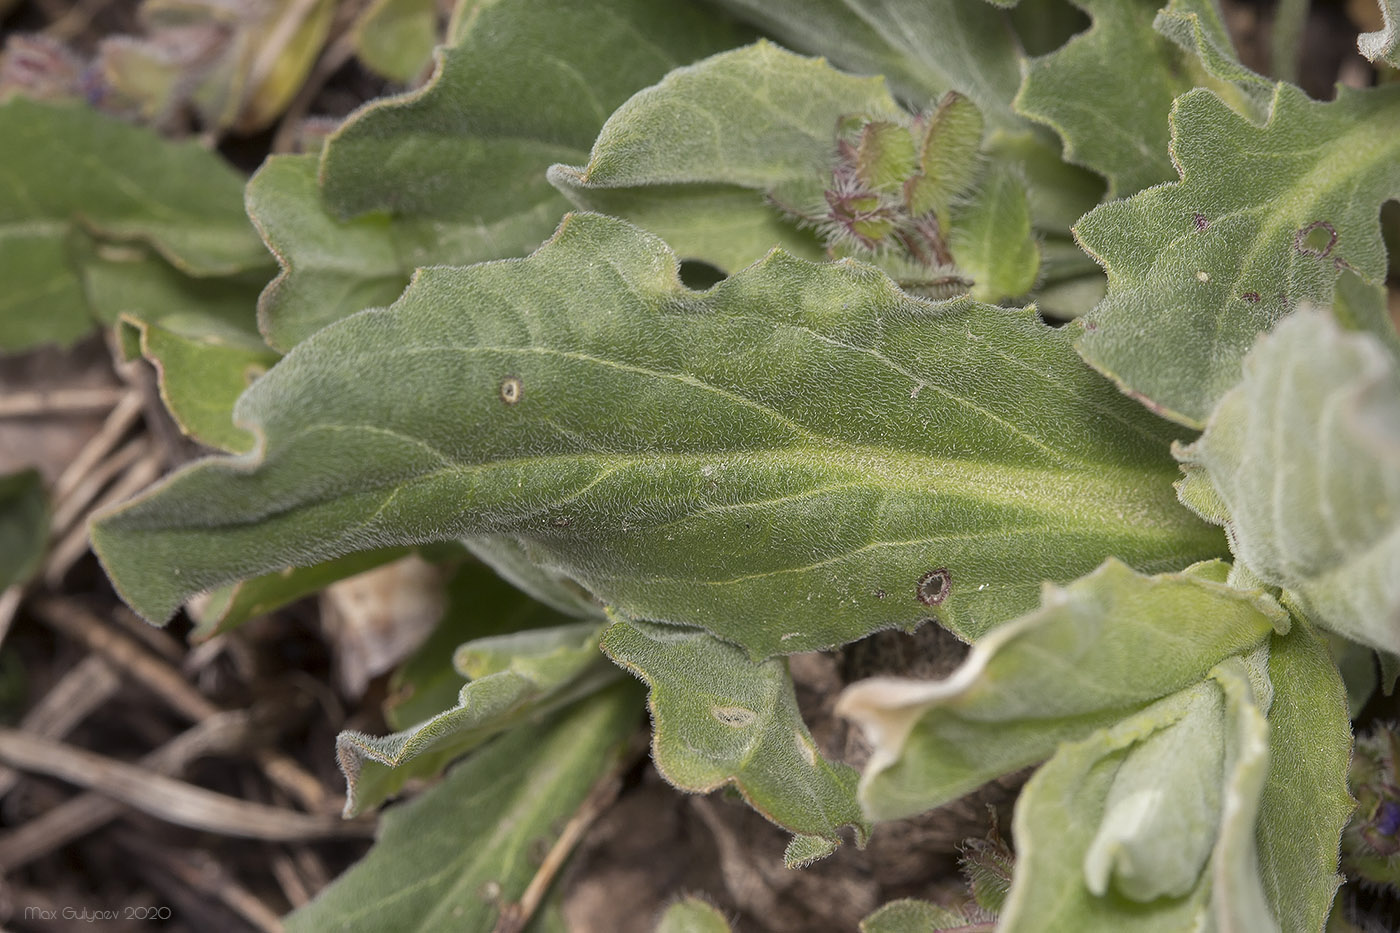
1096 652
1304 455
514 678
200 333
1189 766
1305 802
69 170
1383 45
1119 130
693 914
1196 26
914 916
1263 218
757 147
922 48
455 856
479 604
720 718
691 158
454 172
793 459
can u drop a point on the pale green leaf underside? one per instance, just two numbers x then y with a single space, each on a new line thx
1384 44
1304 455
516 678
1197 268
693 914
24 526
228 607
69 170
720 718
1305 803
479 605
454 172
1094 653
1175 788
452 858
800 456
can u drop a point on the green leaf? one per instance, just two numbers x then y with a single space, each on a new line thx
793 459
692 914
24 526
515 678
457 855
720 718
1305 803
1264 218
1172 793
691 157
992 241
200 333
330 268
1113 126
924 48
454 172
69 169
228 607
1305 457
1196 26
1384 44
203 369
1096 652
913 916
831 153
479 604
396 37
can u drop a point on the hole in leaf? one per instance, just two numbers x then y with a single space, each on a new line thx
933 586
698 276
1316 239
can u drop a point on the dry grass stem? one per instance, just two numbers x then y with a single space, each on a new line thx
86 687
47 403
168 799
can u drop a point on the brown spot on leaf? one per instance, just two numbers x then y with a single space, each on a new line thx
1251 297
933 586
1316 239
511 390
1200 221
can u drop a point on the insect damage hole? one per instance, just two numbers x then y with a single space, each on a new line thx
511 390
933 586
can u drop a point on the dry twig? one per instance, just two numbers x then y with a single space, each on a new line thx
167 683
